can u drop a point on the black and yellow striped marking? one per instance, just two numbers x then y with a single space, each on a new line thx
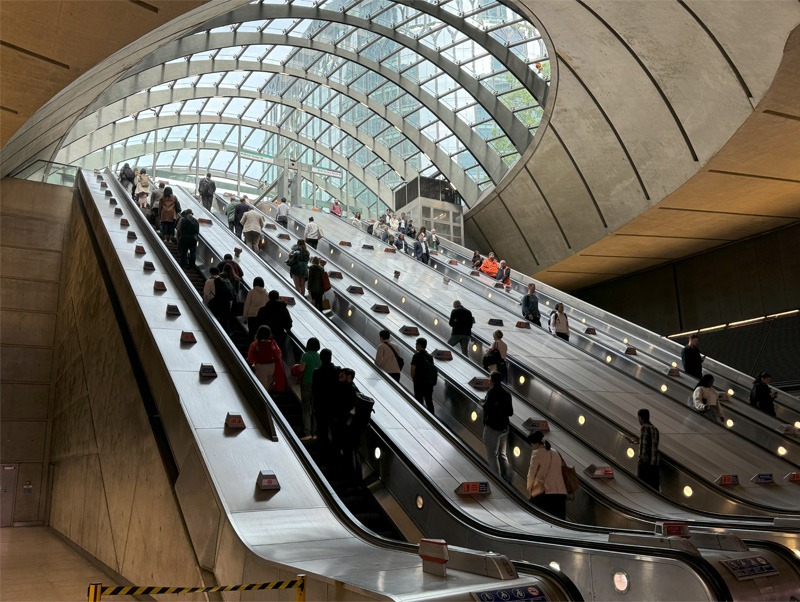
96 590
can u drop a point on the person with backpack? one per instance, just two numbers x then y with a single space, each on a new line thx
497 409
142 188
559 323
230 213
316 282
127 178
218 295
762 396
424 374
207 188
545 482
275 314
188 230
387 357
324 380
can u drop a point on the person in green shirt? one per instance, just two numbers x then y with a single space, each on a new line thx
309 362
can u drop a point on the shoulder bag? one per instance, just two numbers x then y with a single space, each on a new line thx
570 476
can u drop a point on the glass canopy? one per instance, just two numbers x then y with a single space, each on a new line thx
378 89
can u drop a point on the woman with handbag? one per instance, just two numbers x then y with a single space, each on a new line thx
545 480
495 356
298 266
264 356
706 399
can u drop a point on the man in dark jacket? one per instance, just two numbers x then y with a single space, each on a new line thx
127 178
421 252
423 374
207 189
324 380
242 208
497 409
275 314
692 358
530 306
345 440
188 230
461 322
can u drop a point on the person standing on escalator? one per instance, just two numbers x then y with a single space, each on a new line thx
187 238
242 208
497 410
545 483
168 214
648 469
207 188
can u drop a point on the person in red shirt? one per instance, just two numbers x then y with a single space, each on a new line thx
264 356
490 266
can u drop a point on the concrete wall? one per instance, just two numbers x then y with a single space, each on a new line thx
110 492
752 278
33 218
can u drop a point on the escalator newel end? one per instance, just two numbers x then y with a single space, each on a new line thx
187 338
207 371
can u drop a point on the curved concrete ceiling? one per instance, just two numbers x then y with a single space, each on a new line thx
665 138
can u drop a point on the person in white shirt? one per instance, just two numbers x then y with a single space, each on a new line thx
387 357
545 482
313 233
500 346
706 399
252 224
283 213
255 300
208 287
559 323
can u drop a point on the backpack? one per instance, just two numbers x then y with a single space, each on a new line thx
223 292
753 397
190 227
433 372
365 406
203 186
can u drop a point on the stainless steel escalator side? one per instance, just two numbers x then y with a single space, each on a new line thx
432 284
660 347
406 440
217 469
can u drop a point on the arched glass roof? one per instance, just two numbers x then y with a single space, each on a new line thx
380 89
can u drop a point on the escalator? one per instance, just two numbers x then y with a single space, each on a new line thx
276 261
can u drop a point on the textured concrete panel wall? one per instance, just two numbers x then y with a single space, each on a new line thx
32 221
111 495
744 280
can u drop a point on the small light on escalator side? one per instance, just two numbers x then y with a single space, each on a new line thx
625 340
377 453
663 388
621 582
352 265
376 281
522 380
583 320
630 453
581 420
474 416
555 566
489 295
729 423
517 451
608 359
461 280
420 502
475 348
403 300
674 364
280 255
688 491
436 321
781 451
797 424
547 303
349 312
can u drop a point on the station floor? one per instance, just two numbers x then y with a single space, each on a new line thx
36 564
